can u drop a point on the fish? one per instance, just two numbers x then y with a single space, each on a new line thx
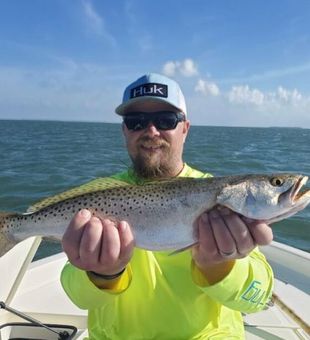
162 213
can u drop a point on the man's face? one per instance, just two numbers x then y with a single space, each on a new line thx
156 153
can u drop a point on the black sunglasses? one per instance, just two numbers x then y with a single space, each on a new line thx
162 120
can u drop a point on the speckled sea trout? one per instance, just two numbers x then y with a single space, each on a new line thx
161 213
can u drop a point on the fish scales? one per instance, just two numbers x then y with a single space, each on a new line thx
162 214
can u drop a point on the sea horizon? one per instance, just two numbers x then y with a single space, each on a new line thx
107 122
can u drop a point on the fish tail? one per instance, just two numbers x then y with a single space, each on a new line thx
7 240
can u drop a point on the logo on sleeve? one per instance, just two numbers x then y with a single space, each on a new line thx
254 293
150 89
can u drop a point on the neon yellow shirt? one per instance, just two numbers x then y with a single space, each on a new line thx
166 297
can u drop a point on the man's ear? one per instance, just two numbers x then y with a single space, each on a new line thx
123 127
186 127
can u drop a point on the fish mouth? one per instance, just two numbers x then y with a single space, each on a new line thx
295 192
298 200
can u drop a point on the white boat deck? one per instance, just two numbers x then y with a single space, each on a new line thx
43 298
276 323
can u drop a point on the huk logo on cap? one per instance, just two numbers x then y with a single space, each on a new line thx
150 89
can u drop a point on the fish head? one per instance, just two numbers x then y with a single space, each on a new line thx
268 198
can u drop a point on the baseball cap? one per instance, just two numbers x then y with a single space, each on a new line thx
153 87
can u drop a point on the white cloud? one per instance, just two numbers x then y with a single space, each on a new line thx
186 67
207 88
243 94
93 17
282 97
245 106
288 96
169 69
79 91
96 22
241 105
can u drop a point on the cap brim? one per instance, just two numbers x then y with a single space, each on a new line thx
121 109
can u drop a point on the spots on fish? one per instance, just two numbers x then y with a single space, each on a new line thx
119 202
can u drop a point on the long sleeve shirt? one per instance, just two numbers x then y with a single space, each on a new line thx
163 296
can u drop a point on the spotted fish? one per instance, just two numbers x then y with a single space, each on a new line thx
162 213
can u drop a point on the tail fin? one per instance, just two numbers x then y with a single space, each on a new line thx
7 240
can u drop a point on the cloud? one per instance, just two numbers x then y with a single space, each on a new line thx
288 96
207 88
93 17
275 99
246 106
169 69
241 104
243 94
82 91
96 22
186 67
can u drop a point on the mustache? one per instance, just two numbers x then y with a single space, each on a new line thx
152 142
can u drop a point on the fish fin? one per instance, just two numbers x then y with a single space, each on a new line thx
7 242
182 249
99 184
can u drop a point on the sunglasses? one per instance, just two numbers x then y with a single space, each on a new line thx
162 120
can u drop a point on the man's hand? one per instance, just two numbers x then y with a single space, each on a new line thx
101 246
223 237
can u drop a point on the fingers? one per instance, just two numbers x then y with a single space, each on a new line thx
224 235
239 231
120 236
110 243
262 233
103 246
72 236
206 248
126 240
90 245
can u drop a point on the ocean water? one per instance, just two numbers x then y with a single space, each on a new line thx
39 159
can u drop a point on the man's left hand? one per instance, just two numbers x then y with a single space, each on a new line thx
223 237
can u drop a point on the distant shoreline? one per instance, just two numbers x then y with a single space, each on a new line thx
117 123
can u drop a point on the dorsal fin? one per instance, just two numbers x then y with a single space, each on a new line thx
99 184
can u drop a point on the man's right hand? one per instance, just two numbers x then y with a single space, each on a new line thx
99 245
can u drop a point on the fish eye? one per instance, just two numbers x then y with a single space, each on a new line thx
276 182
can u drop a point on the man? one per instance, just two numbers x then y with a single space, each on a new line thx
132 293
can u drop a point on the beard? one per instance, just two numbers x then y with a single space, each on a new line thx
152 165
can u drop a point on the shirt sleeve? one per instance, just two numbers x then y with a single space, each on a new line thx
247 288
85 294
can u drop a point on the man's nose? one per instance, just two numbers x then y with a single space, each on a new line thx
151 130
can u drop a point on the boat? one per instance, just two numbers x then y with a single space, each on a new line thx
31 290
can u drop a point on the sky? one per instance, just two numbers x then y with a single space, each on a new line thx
238 62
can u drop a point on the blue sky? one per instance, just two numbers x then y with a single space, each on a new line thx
239 63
